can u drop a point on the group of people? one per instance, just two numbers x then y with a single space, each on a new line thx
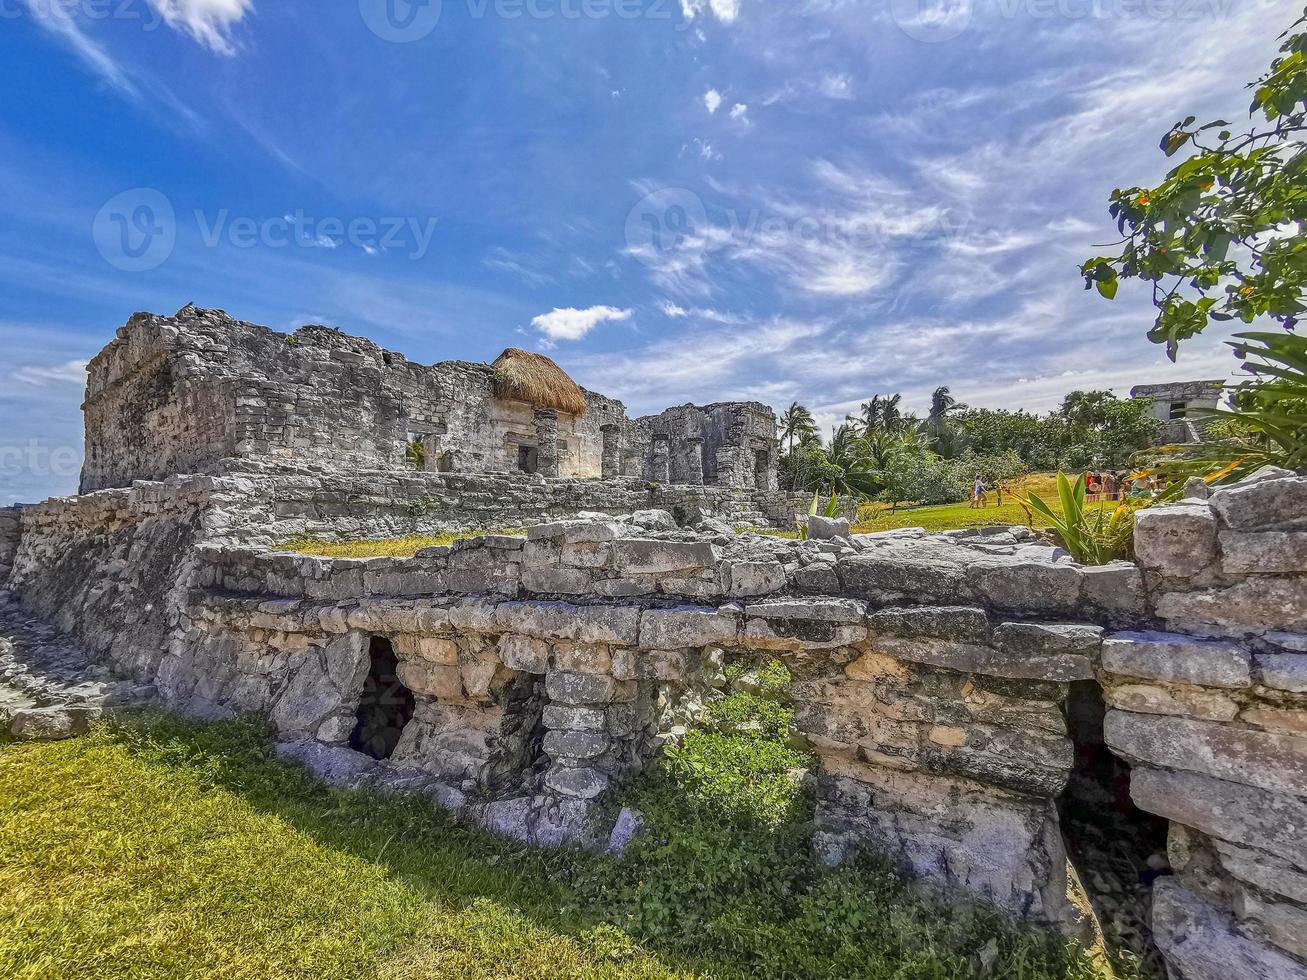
1113 486
1104 485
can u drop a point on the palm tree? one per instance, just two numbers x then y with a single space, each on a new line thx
850 457
941 404
797 422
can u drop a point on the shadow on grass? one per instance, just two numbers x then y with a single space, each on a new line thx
711 888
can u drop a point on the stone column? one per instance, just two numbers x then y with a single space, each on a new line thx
662 459
694 461
612 451
546 420
731 470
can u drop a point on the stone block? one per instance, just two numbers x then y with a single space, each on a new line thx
1200 942
1194 702
1263 552
1283 671
1272 822
800 634
553 580
582 658
972 658
1282 923
1177 540
847 611
1117 589
576 744
1266 871
442 682
1027 586
505 542
583 784
886 576
578 689
607 624
816 578
827 528
752 578
1259 603
686 626
1262 503
569 718
547 620
1290 720
1037 641
942 622
524 653
641 556
586 555
479 676
1178 658
1263 759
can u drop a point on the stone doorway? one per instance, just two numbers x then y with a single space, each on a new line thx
528 459
385 706
1117 849
761 467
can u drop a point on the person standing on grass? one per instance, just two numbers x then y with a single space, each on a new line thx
1109 485
978 498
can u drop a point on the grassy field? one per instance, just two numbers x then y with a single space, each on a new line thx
946 517
157 848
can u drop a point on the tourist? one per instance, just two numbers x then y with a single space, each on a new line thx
1110 486
978 496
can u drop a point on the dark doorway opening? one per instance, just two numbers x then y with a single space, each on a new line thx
385 707
528 459
1118 850
761 464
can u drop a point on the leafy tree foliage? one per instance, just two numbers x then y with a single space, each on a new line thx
1221 238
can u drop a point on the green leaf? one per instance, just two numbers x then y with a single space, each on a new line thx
1108 289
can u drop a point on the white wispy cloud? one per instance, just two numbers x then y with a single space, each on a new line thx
725 11
573 324
712 100
69 372
60 20
208 21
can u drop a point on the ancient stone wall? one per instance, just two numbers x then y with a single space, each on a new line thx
932 673
1212 714
188 393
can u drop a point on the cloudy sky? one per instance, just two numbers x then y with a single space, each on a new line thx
682 200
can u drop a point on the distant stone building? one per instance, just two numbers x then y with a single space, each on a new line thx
1173 405
181 394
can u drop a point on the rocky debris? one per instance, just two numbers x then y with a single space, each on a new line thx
51 689
628 826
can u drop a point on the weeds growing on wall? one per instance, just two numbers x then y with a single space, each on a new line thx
160 847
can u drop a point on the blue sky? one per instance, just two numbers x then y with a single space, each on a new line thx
682 200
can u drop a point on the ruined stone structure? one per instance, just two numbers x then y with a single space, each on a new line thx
958 689
1173 405
201 391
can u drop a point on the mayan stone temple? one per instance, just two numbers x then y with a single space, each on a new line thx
967 692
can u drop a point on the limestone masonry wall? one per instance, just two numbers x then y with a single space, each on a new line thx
193 392
932 672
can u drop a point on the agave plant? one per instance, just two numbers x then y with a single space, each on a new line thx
832 509
1089 533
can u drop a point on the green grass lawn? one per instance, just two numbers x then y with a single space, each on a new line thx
947 517
159 848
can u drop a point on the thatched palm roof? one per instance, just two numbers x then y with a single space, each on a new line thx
537 379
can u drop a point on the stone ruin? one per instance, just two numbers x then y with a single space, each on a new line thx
983 709
1179 406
